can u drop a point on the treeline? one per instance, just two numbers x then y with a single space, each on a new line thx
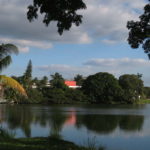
101 87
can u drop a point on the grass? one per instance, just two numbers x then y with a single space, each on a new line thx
143 101
38 144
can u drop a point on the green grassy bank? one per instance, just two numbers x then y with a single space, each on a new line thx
143 101
38 144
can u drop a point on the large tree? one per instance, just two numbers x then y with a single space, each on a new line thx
63 12
5 60
139 31
132 86
102 87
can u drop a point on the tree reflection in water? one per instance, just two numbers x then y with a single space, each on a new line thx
55 118
105 124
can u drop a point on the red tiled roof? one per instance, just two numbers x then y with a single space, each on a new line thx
70 83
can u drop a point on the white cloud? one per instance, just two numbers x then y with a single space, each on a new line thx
115 66
105 20
25 44
121 62
66 70
24 49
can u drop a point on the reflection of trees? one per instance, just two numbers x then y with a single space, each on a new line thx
108 123
5 134
53 117
131 123
57 120
20 117
100 123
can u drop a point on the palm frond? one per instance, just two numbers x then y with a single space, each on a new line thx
8 49
10 82
5 62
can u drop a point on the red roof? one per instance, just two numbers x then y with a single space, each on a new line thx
70 83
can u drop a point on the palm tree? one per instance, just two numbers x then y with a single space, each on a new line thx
5 60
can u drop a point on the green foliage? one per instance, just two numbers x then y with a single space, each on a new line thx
39 144
5 60
146 92
76 96
99 88
62 12
67 96
35 96
44 80
27 77
79 79
5 51
57 81
28 72
132 86
102 88
55 95
139 31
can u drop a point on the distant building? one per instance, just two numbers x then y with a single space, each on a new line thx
72 84
48 84
34 86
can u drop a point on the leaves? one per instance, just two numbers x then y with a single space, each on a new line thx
139 31
63 12
5 51
10 82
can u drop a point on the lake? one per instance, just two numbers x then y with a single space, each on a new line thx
114 127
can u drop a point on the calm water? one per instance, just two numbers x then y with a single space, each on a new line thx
113 127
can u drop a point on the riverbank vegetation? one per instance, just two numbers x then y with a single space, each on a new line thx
38 144
9 142
100 88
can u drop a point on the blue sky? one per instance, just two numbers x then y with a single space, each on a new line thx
98 45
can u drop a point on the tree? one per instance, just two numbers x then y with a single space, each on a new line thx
35 80
132 86
147 92
139 31
102 87
5 60
28 72
64 12
27 77
79 79
44 81
57 81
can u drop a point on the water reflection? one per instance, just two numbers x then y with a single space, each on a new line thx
56 118
56 122
71 119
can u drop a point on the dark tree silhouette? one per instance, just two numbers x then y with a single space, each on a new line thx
64 12
139 31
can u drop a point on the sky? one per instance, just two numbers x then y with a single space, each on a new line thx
99 44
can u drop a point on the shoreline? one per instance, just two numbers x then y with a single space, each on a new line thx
38 143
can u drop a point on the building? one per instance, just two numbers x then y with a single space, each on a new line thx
72 84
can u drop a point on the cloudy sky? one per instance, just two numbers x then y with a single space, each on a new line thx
98 45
